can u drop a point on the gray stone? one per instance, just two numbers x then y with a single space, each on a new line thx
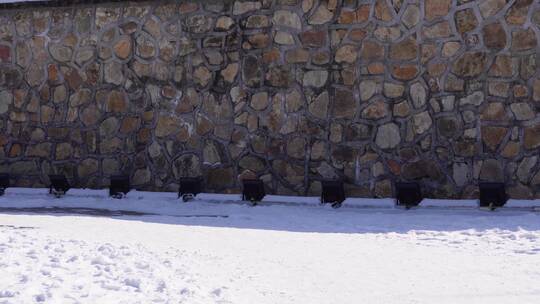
141 177
531 137
296 147
411 16
146 46
224 23
294 101
88 167
259 101
475 99
242 7
6 99
345 106
522 111
421 122
113 73
199 24
257 21
287 19
253 163
448 126
60 53
492 171
321 16
284 38
109 127
187 165
418 95
346 54
251 71
393 90
315 79
524 170
211 153
319 106
388 136
460 174
368 88
421 169
80 97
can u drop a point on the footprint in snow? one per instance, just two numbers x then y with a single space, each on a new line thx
6 294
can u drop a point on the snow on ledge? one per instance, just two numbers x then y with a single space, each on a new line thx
167 203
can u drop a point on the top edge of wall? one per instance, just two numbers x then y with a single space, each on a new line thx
67 3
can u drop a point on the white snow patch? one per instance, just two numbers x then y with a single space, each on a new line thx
288 250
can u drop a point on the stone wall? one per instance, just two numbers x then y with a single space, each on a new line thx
446 92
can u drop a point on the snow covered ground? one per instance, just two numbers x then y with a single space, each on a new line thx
217 250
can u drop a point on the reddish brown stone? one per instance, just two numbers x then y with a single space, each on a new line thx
531 138
259 41
297 56
511 149
168 92
438 30
503 66
494 111
357 35
357 16
314 39
3 140
362 13
347 17
273 55
376 68
344 104
465 20
465 148
188 7
523 40
5 53
376 110
436 69
52 72
144 135
520 91
122 48
494 36
405 72
517 15
394 167
372 50
73 79
90 115
15 150
382 11
129 125
404 50
167 125
493 136
470 64
437 8
116 102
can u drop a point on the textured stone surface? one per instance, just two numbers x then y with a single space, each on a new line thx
294 91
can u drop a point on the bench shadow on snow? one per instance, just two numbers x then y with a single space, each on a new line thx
293 217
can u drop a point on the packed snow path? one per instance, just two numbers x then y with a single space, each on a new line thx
266 254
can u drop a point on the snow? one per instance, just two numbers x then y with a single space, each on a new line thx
287 250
